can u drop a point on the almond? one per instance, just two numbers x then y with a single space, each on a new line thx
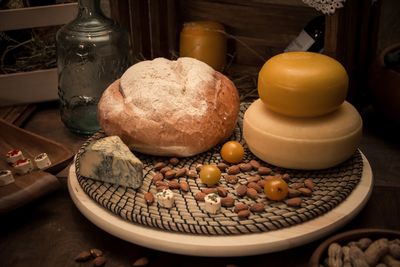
141 262
257 207
162 187
96 252
286 177
269 177
293 202
243 214
241 190
209 190
165 169
296 185
245 167
234 169
222 166
231 179
83 256
222 192
149 198
158 177
199 196
305 191
192 173
255 186
309 183
174 185
161 183
293 193
252 193
180 172
255 164
261 183
184 186
174 161
159 165
227 201
240 206
264 170
170 174
198 167
255 179
99 261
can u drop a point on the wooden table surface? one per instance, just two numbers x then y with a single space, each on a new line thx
51 231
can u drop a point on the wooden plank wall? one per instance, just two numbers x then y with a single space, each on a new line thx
257 29
352 38
152 25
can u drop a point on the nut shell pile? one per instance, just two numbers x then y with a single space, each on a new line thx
364 252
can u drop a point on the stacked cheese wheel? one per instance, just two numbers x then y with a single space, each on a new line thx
302 120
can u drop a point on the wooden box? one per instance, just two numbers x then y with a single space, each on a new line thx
38 85
258 29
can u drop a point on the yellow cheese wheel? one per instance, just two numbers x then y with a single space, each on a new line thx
302 143
302 84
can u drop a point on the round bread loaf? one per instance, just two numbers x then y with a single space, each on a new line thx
170 108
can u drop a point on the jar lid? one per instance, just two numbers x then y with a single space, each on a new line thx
202 27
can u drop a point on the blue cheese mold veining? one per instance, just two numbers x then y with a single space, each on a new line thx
110 160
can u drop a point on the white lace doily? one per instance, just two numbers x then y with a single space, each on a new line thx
325 6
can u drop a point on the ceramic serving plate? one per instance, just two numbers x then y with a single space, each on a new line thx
228 245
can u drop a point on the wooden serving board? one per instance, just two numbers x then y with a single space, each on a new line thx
224 246
37 183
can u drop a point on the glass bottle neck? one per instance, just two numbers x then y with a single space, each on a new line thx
89 9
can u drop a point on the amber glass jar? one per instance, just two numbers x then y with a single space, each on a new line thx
205 41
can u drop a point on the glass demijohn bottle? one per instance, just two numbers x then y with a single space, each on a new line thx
92 52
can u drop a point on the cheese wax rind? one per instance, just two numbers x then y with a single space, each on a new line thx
302 143
302 84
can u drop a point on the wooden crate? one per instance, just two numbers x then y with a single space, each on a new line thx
39 85
266 26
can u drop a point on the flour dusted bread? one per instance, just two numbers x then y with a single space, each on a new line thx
170 108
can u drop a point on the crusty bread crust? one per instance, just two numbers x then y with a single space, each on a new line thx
175 134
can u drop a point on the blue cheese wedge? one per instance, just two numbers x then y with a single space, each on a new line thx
110 160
